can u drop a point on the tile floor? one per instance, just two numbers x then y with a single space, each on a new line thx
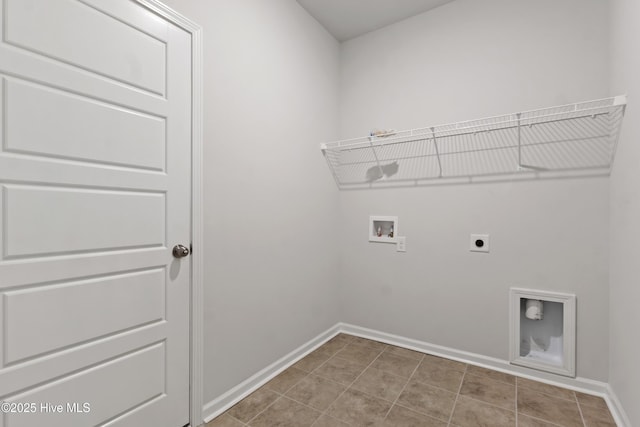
351 381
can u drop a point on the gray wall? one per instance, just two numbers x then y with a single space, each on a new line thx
467 60
625 212
287 254
270 96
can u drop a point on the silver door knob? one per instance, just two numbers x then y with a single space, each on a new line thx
180 251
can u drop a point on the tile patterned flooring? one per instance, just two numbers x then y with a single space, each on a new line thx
352 381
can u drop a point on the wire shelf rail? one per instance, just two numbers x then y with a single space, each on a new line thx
580 136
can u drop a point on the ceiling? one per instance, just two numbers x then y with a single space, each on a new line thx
346 19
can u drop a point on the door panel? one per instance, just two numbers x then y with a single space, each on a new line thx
148 363
52 220
40 370
95 191
125 53
47 122
95 301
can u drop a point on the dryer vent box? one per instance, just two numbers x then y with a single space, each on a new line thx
543 330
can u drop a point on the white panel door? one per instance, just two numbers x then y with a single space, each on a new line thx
95 158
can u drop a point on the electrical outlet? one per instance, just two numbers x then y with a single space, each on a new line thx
401 244
479 243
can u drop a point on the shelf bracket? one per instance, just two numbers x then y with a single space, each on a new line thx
520 167
375 156
435 145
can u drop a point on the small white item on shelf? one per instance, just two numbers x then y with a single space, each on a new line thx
382 133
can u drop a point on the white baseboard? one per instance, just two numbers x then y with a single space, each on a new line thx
615 406
578 384
245 388
584 385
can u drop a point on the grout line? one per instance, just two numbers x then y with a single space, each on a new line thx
231 416
584 423
545 394
349 386
485 403
455 402
575 396
516 397
330 357
447 390
323 414
305 404
386 349
478 375
419 412
405 386
328 379
280 396
552 395
544 421
294 384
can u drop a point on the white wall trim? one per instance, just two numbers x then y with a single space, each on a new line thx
584 385
579 384
615 406
242 390
197 287
197 232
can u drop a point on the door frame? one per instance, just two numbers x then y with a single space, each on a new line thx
196 309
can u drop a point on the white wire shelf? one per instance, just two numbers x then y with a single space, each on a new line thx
571 137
